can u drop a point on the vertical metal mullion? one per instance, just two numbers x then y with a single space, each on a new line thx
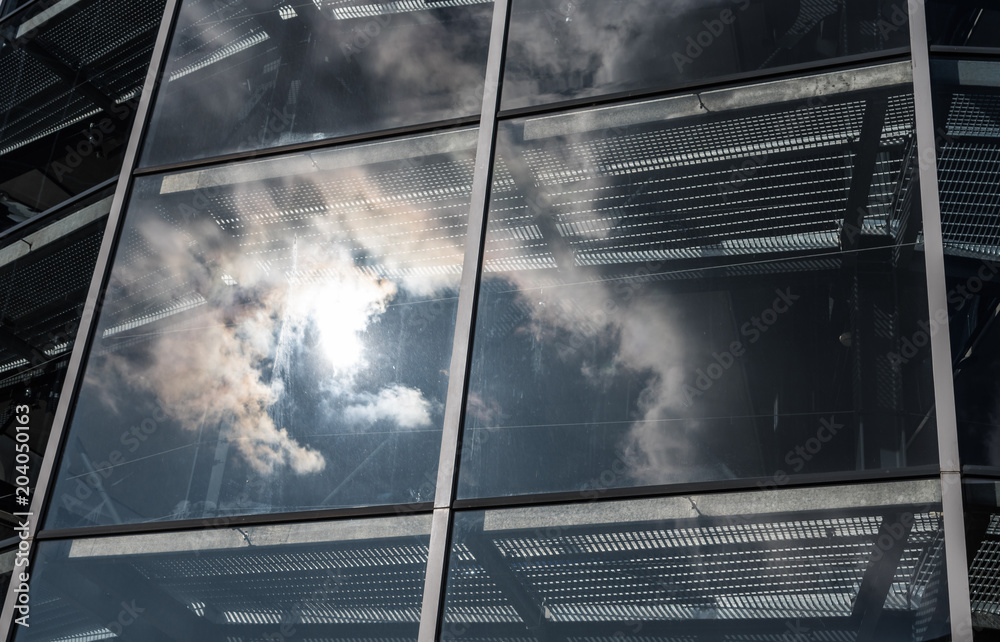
944 389
465 322
84 335
434 581
437 559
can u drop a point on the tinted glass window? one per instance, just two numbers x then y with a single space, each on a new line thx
982 530
963 24
705 287
968 115
251 74
70 77
359 579
851 563
561 49
7 558
275 337
9 6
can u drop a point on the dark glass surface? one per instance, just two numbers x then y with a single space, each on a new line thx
982 533
254 74
701 288
44 278
561 50
7 560
967 109
965 23
276 337
9 6
843 563
360 579
70 77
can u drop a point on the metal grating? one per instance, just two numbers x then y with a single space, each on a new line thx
969 179
788 569
763 183
105 42
984 573
42 294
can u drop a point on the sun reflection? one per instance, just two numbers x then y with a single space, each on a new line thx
341 307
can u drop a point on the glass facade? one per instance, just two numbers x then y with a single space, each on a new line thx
259 76
560 50
501 320
684 267
275 337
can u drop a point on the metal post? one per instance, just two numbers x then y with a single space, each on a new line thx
937 305
465 323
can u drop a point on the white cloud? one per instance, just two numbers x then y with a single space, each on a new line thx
406 407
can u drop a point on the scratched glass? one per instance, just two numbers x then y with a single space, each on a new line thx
966 24
275 337
724 285
569 49
254 74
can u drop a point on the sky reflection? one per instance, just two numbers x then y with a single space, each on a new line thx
662 303
298 322
260 75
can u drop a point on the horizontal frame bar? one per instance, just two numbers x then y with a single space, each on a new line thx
226 521
312 145
24 228
696 488
977 52
722 82
736 80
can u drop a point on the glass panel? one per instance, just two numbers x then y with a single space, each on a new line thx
70 77
982 533
561 49
8 7
255 74
967 106
8 555
276 337
358 580
703 287
849 563
44 278
968 23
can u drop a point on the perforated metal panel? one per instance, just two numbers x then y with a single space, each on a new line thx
739 184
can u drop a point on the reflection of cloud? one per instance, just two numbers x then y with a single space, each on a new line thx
649 343
212 374
597 44
484 412
418 66
274 286
404 406
341 303
640 333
